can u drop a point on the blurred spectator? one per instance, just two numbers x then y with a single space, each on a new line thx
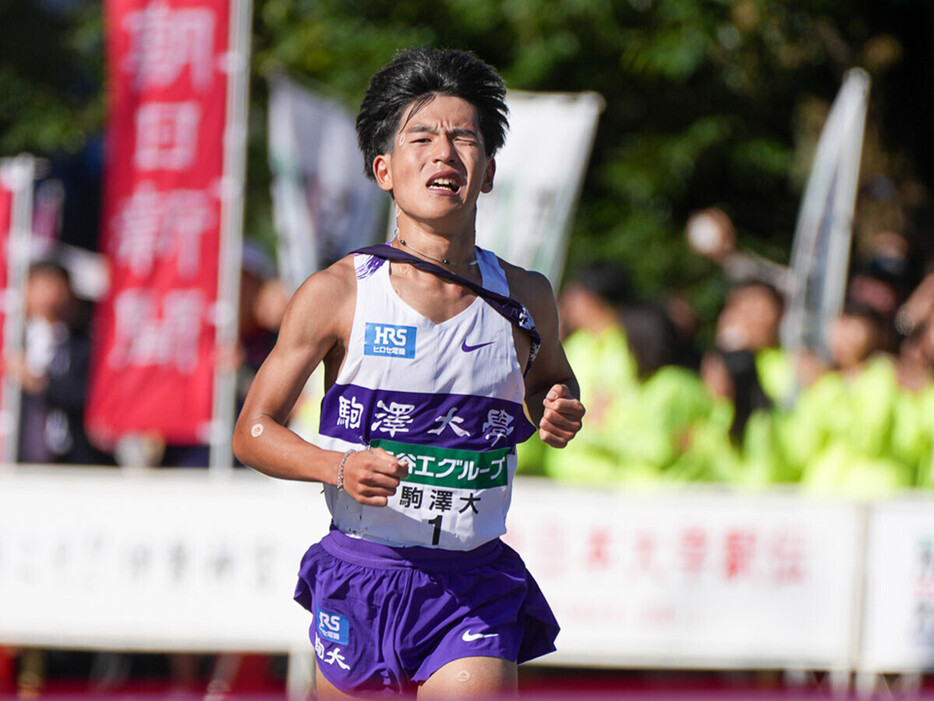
751 317
652 337
841 431
732 375
263 298
855 335
593 297
751 321
881 281
710 233
915 319
656 339
596 346
676 431
749 374
752 314
53 370
648 419
913 427
683 317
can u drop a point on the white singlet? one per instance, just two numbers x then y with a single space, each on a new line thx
447 397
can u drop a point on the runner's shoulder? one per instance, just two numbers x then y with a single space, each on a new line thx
334 282
331 289
530 287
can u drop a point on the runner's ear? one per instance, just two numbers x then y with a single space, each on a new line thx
383 172
488 176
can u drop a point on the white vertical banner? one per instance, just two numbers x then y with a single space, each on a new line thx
237 66
17 176
821 250
323 204
898 614
526 219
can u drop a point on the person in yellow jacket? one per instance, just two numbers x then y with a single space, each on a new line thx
840 431
595 341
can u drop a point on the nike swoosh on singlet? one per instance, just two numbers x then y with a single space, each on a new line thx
469 349
469 637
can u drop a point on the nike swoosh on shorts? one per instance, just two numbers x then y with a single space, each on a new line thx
469 637
469 349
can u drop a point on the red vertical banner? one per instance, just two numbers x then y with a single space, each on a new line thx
153 365
6 298
6 221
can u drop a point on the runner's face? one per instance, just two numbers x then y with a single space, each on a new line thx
438 166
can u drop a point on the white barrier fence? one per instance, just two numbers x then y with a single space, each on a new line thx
694 579
183 560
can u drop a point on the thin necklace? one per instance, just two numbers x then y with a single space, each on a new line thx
443 261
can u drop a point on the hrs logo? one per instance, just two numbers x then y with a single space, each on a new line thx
389 340
333 627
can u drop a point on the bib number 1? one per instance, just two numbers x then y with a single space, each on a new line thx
436 536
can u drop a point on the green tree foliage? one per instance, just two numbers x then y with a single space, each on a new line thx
708 102
50 68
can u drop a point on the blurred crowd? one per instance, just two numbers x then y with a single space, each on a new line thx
53 367
851 415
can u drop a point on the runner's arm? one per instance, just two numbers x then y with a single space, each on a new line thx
552 393
316 325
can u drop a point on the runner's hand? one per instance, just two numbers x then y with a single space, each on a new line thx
372 476
562 417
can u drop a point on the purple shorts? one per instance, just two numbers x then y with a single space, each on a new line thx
385 619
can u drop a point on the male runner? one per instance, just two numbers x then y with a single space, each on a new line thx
426 376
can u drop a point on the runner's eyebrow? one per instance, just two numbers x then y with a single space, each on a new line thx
428 129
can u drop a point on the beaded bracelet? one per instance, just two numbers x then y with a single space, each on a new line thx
340 468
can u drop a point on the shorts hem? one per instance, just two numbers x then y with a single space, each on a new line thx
422 676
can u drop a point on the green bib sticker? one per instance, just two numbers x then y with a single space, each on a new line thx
446 467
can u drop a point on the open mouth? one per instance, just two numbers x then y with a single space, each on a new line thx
447 184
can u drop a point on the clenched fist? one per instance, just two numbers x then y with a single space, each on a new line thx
371 476
562 418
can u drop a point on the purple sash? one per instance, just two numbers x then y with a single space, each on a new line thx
512 310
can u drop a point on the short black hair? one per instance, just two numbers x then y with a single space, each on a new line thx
416 75
609 280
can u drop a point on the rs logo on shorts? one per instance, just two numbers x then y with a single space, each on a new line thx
389 340
333 627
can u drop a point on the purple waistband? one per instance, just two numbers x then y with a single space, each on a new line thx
387 557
